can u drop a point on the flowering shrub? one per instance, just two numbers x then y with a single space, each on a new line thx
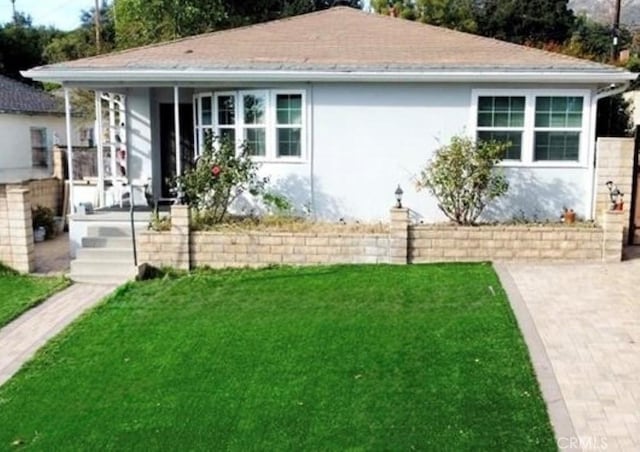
463 177
218 177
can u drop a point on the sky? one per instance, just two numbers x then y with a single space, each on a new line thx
64 14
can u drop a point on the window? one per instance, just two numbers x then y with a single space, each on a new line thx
289 125
501 118
270 123
225 123
39 151
254 123
557 128
543 127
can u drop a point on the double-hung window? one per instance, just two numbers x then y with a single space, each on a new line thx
271 124
501 118
558 126
542 127
254 123
288 125
39 152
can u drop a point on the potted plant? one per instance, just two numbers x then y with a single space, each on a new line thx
569 216
44 226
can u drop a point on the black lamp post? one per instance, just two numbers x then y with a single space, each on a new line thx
399 194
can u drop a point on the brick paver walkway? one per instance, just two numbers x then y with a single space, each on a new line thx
24 336
588 318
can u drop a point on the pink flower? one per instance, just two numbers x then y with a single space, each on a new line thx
215 170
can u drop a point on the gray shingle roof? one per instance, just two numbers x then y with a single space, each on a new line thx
17 97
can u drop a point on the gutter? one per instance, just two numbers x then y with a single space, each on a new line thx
612 90
186 75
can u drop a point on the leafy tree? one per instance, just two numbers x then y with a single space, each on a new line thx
22 46
81 42
454 14
532 21
614 117
463 177
142 22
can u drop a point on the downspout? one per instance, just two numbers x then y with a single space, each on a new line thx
612 90
67 113
310 139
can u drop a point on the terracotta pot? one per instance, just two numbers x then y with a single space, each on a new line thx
620 206
570 217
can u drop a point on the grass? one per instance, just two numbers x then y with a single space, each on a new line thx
18 293
324 358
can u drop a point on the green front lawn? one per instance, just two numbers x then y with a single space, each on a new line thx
18 293
424 357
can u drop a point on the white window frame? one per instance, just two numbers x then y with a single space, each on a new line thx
44 147
241 126
270 121
528 135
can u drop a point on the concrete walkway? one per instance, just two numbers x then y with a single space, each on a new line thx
587 320
20 339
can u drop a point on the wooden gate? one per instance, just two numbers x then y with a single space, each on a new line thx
634 226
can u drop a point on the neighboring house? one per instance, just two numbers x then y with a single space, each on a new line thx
341 106
31 122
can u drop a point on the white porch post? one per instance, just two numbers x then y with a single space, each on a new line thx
99 148
112 139
67 112
176 104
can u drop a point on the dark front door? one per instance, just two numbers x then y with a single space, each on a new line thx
168 143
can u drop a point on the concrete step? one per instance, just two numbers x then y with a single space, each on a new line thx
106 242
115 268
100 279
106 254
113 230
101 272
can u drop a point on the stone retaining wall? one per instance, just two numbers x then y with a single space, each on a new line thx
505 243
232 249
46 193
404 243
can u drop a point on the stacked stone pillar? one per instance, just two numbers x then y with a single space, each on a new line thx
20 229
615 164
181 236
399 236
614 223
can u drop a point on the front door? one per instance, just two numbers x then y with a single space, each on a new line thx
168 143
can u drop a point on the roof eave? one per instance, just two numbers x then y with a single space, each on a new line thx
123 76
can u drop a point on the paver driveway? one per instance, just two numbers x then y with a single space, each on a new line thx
588 317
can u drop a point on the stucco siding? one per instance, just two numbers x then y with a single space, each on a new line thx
367 139
362 140
15 147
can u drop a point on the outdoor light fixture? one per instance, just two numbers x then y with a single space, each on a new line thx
399 194
614 194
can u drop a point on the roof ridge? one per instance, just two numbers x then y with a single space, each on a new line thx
209 33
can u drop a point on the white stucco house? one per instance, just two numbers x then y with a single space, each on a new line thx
341 106
31 122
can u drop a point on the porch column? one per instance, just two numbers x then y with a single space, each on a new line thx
67 111
176 114
99 147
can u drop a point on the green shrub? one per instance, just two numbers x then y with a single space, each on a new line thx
218 178
463 177
44 217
